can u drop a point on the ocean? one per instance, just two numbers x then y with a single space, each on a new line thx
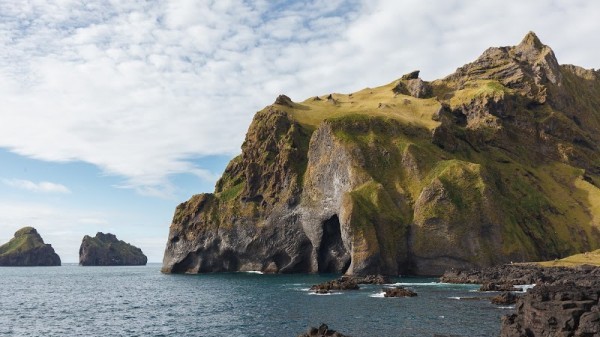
140 301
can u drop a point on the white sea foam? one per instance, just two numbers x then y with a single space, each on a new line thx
378 295
328 294
254 272
454 298
524 287
506 307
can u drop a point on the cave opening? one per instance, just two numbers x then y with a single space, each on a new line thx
333 257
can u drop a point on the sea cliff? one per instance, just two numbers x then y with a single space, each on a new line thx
497 162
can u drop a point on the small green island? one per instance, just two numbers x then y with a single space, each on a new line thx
27 249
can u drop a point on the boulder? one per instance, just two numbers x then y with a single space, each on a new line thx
322 331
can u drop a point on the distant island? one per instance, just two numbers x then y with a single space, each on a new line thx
107 250
27 248
497 162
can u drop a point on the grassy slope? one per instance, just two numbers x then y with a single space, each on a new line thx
20 243
546 206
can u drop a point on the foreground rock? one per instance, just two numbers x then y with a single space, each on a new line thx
322 331
348 283
506 298
107 250
502 278
27 248
473 170
398 292
560 309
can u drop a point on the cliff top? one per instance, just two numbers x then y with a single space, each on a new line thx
25 239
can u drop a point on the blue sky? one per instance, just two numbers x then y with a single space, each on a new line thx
114 112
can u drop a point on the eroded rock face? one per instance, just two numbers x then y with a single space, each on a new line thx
107 250
491 168
27 248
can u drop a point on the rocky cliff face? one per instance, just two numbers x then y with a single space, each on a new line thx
107 250
497 162
27 248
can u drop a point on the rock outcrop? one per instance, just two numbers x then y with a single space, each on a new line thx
322 331
348 283
500 164
398 292
27 248
561 309
107 250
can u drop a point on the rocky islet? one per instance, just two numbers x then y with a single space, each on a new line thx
107 250
27 248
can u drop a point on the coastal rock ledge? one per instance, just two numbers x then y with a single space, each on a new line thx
107 250
27 248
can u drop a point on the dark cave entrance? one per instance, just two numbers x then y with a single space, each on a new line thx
332 255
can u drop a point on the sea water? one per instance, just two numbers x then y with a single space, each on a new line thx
140 301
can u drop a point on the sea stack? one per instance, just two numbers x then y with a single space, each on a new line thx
27 248
107 250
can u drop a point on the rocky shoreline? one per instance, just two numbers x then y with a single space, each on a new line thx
563 302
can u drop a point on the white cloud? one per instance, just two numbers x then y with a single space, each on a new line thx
141 88
43 186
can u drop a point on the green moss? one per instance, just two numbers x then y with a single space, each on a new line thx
232 192
21 242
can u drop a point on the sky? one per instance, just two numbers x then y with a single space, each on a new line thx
114 112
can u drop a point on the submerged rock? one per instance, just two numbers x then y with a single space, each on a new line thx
27 248
107 250
322 331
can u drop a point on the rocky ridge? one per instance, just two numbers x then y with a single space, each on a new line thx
497 162
27 248
107 250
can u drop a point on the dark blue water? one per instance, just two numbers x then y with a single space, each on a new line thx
140 301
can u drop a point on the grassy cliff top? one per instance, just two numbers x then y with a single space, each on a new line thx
25 239
381 101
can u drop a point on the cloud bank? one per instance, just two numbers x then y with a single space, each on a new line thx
142 88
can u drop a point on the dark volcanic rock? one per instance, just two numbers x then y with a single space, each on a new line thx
398 292
27 248
505 298
491 286
322 331
348 283
561 309
107 250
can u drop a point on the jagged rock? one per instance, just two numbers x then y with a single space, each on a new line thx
506 298
398 292
492 286
107 250
486 172
322 331
27 248
284 100
413 75
348 283
419 88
